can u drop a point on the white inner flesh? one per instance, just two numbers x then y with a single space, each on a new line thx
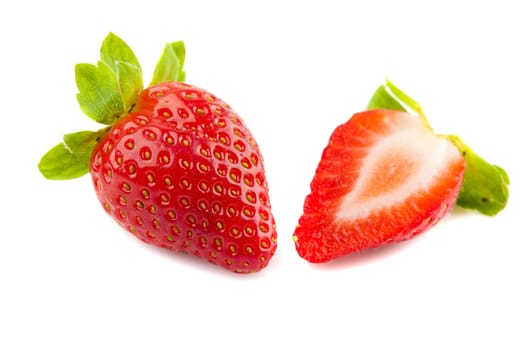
426 152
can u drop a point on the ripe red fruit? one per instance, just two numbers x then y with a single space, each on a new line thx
384 177
183 172
176 166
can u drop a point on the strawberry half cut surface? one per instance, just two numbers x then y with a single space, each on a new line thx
384 177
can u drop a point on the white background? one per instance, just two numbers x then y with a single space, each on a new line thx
72 279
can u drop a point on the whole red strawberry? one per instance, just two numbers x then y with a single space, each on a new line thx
178 167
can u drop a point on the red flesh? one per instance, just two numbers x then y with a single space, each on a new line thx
339 217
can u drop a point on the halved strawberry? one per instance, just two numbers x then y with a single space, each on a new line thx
384 177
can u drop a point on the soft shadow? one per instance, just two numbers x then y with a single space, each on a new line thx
458 212
366 257
191 262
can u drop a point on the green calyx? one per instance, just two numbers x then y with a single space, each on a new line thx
485 186
106 92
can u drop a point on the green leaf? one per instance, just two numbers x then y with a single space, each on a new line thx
485 186
70 159
407 100
389 96
170 64
109 90
382 99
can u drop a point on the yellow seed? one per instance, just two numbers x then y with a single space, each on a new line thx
122 214
185 183
150 178
216 208
203 186
145 193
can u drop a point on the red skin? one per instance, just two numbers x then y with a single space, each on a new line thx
183 172
321 236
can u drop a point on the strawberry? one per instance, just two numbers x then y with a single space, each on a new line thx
384 177
176 167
